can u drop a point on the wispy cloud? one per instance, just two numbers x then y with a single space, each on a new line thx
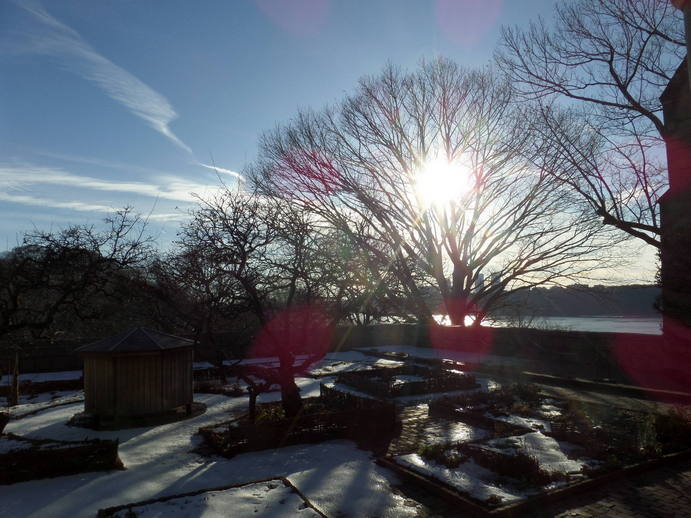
58 40
21 177
24 199
223 170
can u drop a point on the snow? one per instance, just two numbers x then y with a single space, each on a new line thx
485 385
265 361
550 453
348 389
549 410
7 445
526 422
337 477
470 478
334 363
441 430
35 377
30 404
402 379
271 498
448 354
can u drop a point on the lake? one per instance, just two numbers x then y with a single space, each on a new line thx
600 324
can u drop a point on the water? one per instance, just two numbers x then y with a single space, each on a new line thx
600 324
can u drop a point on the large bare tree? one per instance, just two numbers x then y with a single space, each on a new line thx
434 167
606 62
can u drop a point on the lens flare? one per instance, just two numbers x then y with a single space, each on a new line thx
440 182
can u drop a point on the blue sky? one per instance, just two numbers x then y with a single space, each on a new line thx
112 103
126 102
107 103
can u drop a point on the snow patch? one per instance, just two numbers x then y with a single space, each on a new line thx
550 453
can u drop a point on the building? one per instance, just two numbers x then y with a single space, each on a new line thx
138 374
675 204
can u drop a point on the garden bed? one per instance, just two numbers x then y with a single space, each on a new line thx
24 459
556 446
407 380
332 415
216 386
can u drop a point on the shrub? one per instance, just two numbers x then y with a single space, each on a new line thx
519 466
674 429
444 454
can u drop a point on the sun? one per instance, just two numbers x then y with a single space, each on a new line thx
439 182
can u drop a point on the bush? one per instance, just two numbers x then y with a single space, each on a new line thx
444 454
216 387
334 415
519 466
674 429
50 458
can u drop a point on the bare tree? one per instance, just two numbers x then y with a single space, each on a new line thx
364 167
263 249
56 279
608 62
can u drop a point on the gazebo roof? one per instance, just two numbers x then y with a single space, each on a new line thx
138 339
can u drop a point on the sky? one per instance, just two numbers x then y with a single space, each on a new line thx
125 102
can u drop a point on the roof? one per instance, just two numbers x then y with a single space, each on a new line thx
138 339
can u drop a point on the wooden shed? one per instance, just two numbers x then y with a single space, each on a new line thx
139 373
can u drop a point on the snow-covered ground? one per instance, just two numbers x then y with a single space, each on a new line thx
32 403
459 356
552 455
478 482
532 423
271 498
483 484
337 477
334 363
36 377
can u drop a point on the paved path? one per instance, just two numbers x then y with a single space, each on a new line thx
663 493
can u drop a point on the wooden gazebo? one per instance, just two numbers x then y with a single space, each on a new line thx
137 374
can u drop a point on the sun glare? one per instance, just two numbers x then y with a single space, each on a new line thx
439 182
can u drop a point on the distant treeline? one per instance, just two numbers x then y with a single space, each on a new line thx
634 299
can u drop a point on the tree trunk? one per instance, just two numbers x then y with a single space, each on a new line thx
290 393
13 397
253 405
290 397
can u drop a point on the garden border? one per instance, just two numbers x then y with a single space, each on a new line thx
454 496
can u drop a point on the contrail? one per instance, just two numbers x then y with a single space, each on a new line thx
222 170
58 40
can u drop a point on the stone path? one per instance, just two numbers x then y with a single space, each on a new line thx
663 493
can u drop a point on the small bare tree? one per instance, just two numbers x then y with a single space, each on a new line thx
607 63
58 278
364 166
